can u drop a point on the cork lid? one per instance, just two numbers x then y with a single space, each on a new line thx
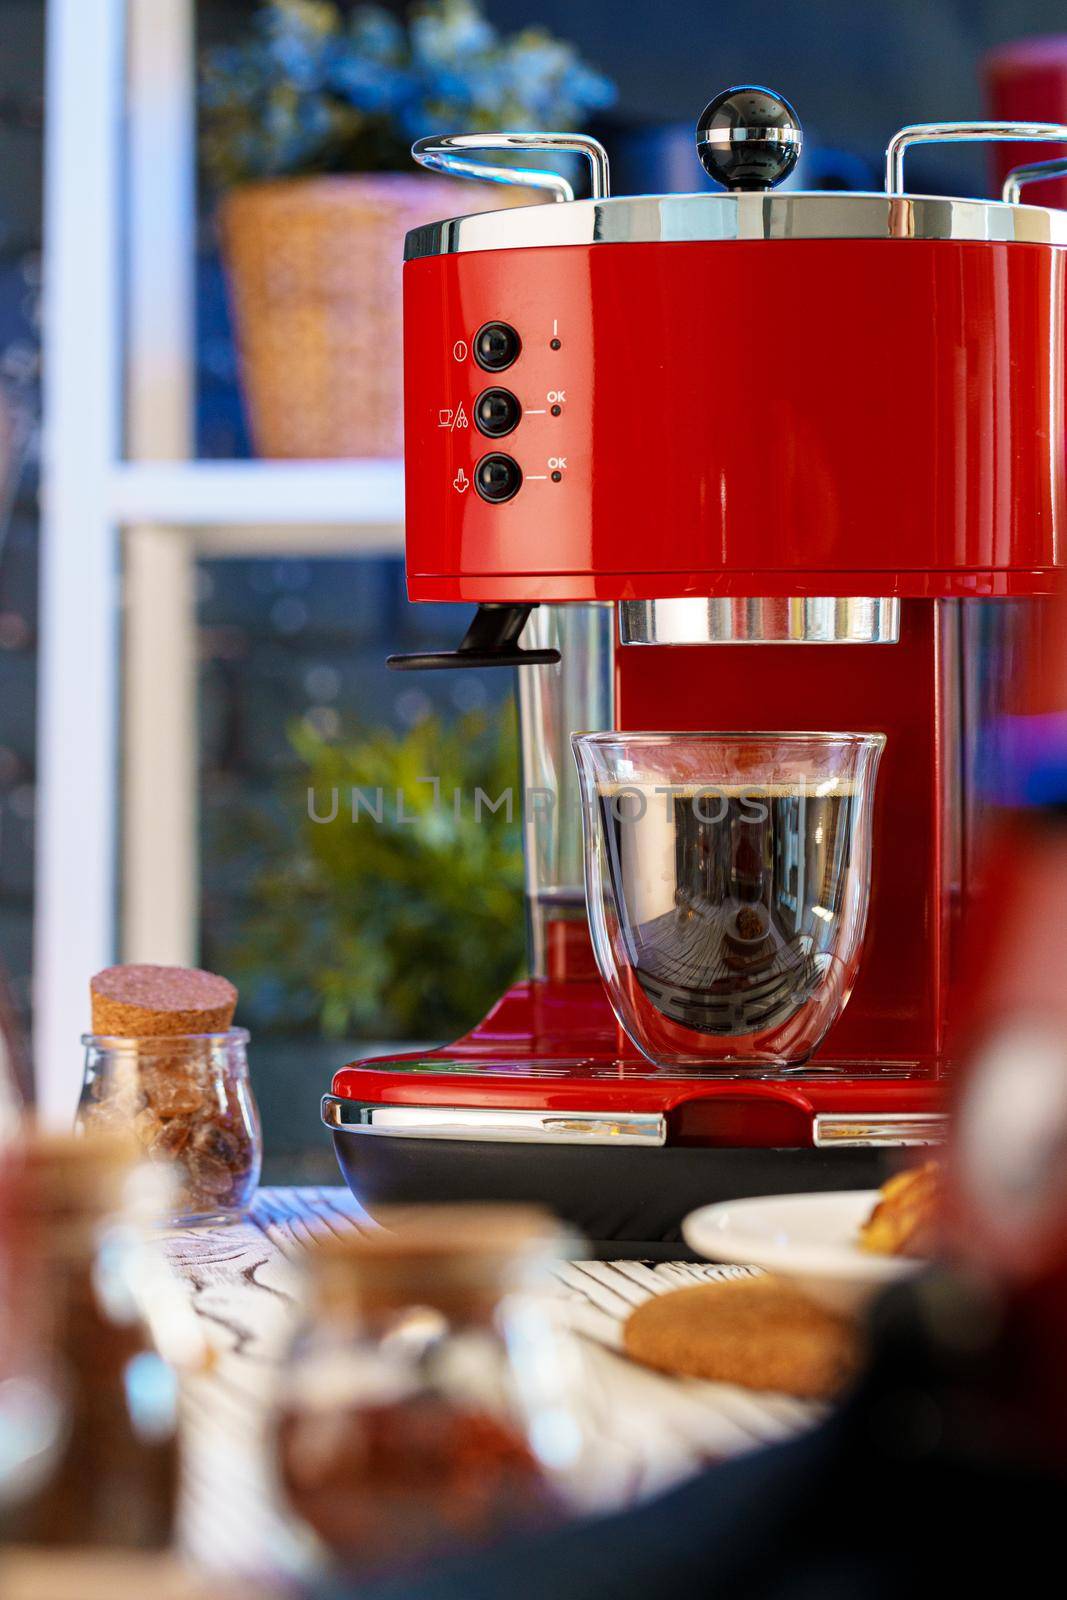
65 1184
145 1001
459 1259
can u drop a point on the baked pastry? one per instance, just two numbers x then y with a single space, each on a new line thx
758 1332
907 1218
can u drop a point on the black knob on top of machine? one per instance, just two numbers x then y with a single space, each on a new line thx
749 138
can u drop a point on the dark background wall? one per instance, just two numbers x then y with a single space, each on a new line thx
21 111
855 69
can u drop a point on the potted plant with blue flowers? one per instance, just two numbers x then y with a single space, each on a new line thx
306 128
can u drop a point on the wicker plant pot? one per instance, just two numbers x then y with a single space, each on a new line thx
314 270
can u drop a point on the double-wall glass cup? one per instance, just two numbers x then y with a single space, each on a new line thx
727 881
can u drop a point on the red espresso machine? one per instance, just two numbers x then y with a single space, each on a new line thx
746 481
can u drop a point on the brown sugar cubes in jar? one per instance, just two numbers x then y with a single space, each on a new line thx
164 1061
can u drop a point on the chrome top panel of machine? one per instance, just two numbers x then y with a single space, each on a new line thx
685 218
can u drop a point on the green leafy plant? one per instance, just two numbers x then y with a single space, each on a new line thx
404 923
316 89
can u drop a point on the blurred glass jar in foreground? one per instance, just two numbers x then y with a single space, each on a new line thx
425 1410
187 1100
34 1574
15 1072
104 1471
31 1416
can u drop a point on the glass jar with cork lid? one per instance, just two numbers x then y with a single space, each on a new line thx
106 1473
427 1405
165 1063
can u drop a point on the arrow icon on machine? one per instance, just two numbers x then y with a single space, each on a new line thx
461 481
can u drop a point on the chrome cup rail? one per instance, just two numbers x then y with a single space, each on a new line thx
446 153
969 133
1011 193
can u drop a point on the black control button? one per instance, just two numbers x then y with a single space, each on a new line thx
497 478
496 412
496 346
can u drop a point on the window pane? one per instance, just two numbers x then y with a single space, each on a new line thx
353 904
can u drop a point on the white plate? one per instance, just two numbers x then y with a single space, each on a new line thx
810 1238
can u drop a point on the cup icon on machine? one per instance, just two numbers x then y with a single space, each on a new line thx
727 883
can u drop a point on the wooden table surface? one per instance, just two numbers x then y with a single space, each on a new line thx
645 1431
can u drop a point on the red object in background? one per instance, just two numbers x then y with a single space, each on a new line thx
1010 1140
1026 81
876 417
1010 1149
1007 1157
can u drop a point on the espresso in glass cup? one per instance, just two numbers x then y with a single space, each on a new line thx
727 883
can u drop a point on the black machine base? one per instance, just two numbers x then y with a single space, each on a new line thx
627 1202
